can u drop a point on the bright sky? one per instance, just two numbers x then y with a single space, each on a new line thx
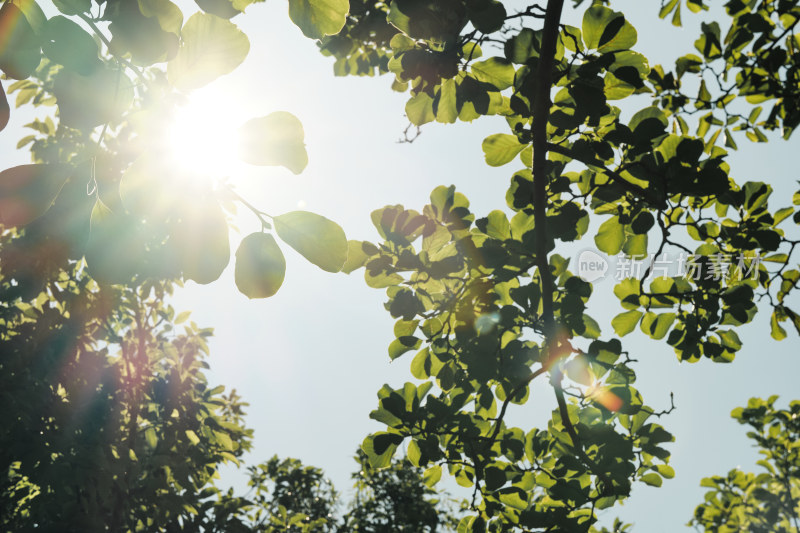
310 359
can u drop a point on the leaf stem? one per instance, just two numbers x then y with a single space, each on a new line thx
105 40
257 212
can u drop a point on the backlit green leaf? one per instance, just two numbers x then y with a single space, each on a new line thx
73 7
318 18
66 43
497 71
652 479
501 148
606 30
356 257
657 325
260 266
211 47
5 111
610 237
276 139
28 191
625 322
20 53
380 448
315 237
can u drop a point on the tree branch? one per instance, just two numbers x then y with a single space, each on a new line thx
616 177
541 115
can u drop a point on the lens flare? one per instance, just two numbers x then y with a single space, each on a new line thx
203 135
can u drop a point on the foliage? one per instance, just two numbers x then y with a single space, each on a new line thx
109 422
291 497
106 407
769 501
288 497
396 498
126 71
487 305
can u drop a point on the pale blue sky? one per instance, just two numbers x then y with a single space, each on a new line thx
310 359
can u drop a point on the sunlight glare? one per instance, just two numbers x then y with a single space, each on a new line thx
203 134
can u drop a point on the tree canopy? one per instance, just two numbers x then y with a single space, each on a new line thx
126 434
489 305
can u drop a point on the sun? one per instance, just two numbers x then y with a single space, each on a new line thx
202 136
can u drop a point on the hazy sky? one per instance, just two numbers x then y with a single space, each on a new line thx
310 360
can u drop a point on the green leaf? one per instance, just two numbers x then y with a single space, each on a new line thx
73 7
28 191
356 257
5 113
101 214
222 8
211 47
652 479
419 109
144 191
625 322
192 436
730 339
643 222
276 139
514 498
666 471
447 107
381 280
591 328
260 266
523 46
579 371
413 453
495 70
224 440
610 237
318 18
615 88
20 53
66 43
498 226
501 148
202 241
168 15
776 330
315 237
650 119
487 16
402 345
380 448
782 214
465 525
635 246
85 102
438 22
113 251
33 14
657 325
148 30
151 438
432 476
607 31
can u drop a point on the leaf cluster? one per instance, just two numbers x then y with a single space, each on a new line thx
488 305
